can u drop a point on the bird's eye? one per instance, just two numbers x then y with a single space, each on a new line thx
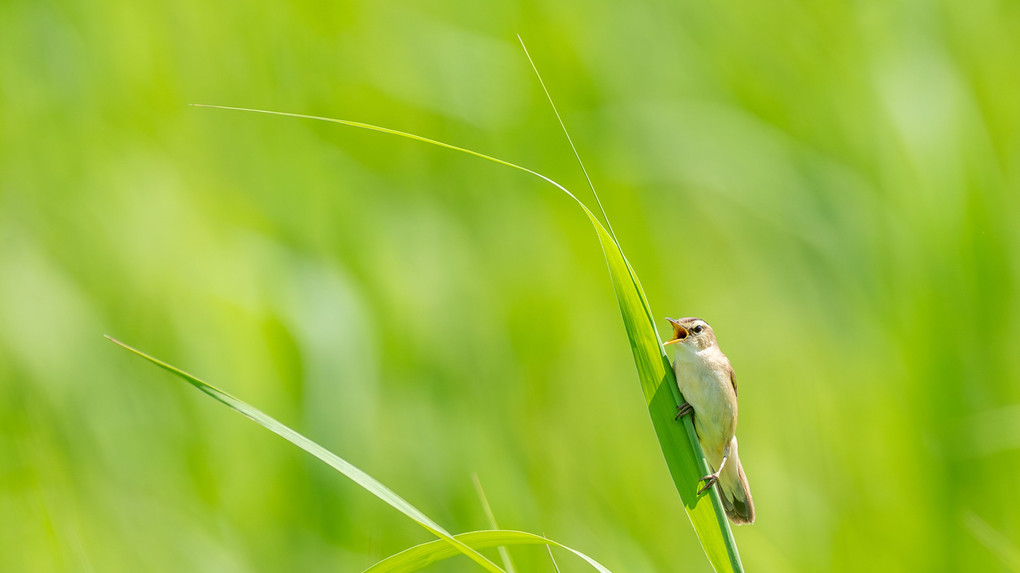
697 329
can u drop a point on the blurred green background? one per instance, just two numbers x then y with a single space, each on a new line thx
833 186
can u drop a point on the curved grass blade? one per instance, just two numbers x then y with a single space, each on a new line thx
678 441
644 349
339 464
420 556
570 140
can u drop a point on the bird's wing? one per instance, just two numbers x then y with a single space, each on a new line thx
733 379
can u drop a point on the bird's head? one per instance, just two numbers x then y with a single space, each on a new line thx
691 333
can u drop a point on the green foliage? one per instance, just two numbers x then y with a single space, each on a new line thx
339 464
831 185
421 556
679 443
504 555
413 558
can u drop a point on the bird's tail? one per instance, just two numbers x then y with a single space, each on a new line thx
734 491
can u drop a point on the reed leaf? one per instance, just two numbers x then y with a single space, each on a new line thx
341 465
658 381
420 556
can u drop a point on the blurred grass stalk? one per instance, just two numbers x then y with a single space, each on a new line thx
504 555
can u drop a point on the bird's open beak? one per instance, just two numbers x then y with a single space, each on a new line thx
679 332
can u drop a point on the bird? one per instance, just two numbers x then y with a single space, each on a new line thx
706 381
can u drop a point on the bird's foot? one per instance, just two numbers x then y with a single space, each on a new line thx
683 409
709 482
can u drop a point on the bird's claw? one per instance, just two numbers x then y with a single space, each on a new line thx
709 482
683 409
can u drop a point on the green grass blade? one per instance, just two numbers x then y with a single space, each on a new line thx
343 466
552 558
504 555
420 556
678 441
570 140
406 135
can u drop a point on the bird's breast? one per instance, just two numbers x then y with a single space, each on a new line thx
708 389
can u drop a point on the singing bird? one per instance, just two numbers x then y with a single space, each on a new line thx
707 382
